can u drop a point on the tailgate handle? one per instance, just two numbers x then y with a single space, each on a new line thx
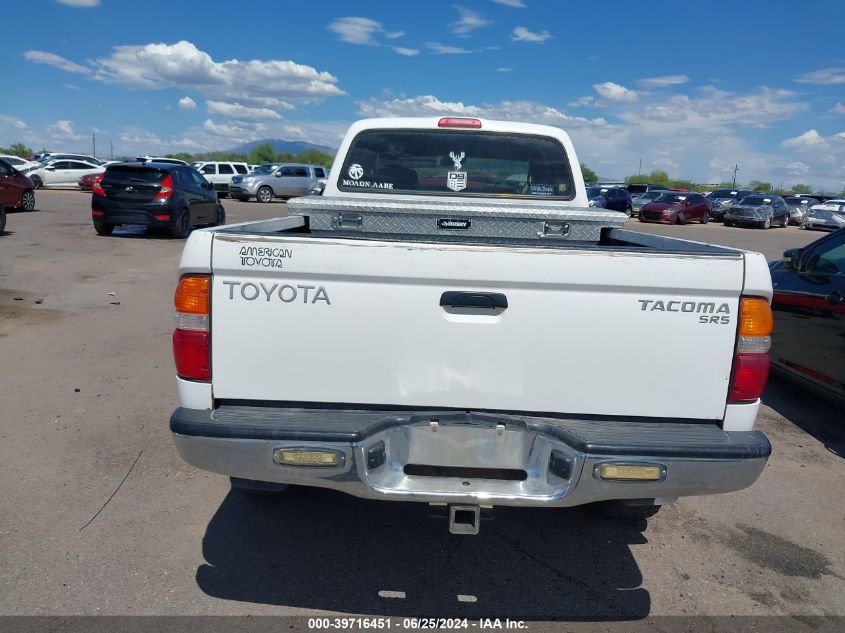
470 299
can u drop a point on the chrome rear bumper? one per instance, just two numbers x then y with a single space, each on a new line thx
469 458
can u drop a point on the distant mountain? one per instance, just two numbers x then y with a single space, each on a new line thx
281 145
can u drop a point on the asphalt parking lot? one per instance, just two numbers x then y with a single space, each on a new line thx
87 389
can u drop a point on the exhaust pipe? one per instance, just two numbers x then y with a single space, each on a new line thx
464 519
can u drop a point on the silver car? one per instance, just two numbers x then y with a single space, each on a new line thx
829 215
798 207
276 180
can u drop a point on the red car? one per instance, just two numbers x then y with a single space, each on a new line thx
16 191
675 207
87 182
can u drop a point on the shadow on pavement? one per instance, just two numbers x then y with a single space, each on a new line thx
324 550
813 414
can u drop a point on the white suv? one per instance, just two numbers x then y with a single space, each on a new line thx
220 173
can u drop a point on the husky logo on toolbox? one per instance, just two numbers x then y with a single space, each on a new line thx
450 223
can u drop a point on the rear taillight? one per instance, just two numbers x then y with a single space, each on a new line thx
97 187
191 344
459 121
751 363
166 189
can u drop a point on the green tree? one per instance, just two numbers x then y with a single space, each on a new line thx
801 188
656 177
589 174
17 149
315 157
760 185
285 157
262 154
188 158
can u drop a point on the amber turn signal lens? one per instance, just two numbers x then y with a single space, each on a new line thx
630 472
755 317
192 294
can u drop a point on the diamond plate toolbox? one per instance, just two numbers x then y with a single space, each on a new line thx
547 220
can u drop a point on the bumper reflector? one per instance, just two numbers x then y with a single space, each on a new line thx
630 472
306 457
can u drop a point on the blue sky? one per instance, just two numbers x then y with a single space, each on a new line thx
690 87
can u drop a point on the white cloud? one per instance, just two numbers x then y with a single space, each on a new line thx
239 132
582 102
469 21
356 30
366 32
184 65
839 108
51 59
808 139
504 69
522 34
797 168
824 77
11 122
71 87
614 92
186 103
429 105
80 4
663 81
146 140
516 4
63 130
443 49
241 112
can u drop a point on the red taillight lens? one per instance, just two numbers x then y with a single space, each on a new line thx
751 370
97 214
190 351
97 187
459 121
166 188
191 347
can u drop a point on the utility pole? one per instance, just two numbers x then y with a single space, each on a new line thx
111 150
94 144
640 170
736 169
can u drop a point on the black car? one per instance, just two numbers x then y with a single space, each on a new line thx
722 199
612 198
156 195
808 340
638 190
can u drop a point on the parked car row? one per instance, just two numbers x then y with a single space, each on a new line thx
16 191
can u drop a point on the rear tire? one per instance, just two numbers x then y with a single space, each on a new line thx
705 218
221 216
2 218
182 229
264 194
28 201
103 229
620 510
785 222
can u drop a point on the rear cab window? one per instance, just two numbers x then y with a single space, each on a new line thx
130 173
457 162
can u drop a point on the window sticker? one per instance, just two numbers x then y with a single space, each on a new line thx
456 180
541 189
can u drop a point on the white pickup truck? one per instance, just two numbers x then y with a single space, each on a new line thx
451 324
